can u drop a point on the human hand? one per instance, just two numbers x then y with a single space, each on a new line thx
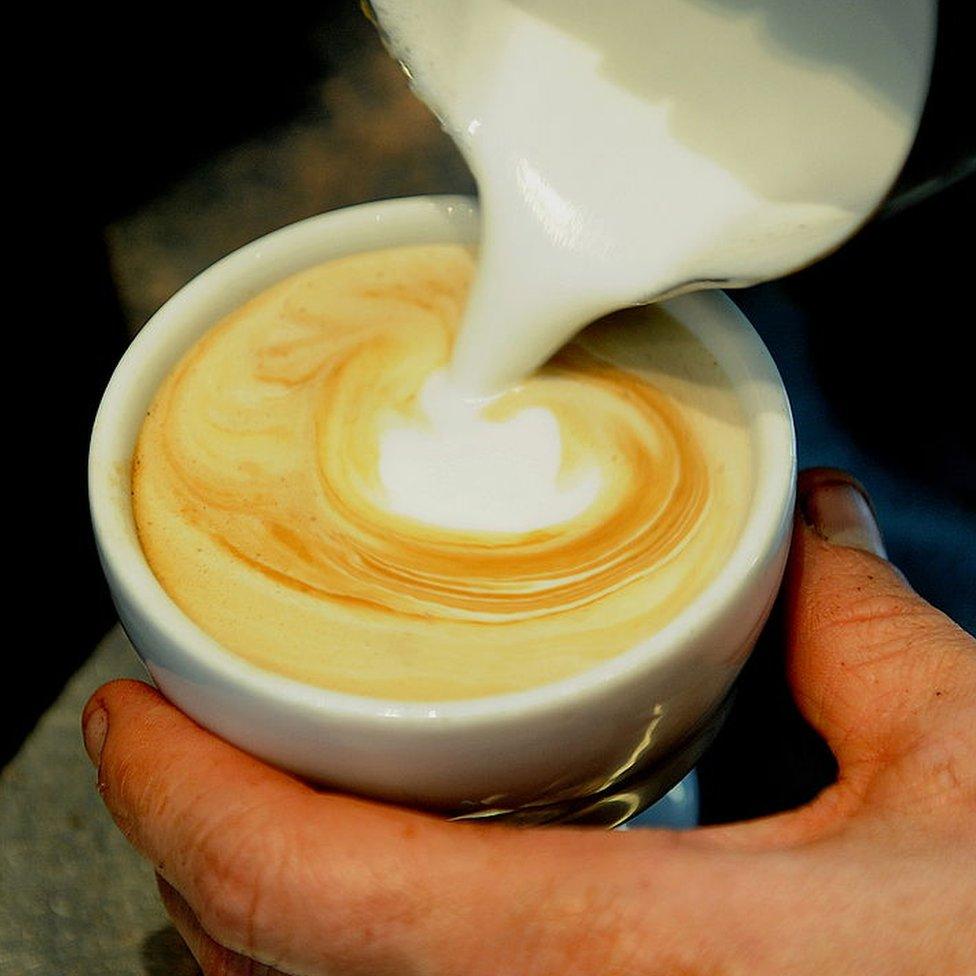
262 873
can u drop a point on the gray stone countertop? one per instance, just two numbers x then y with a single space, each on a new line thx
76 899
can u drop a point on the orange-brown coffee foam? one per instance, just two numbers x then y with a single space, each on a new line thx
259 506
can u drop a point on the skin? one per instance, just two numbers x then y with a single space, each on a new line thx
263 874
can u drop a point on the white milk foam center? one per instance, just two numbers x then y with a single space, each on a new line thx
461 471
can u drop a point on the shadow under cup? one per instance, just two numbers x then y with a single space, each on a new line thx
596 747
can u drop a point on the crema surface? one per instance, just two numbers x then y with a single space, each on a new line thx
310 491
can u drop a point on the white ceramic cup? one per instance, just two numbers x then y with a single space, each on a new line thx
549 744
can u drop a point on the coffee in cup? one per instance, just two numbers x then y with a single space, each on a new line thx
312 492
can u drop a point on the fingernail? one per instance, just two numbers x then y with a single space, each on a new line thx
839 512
94 732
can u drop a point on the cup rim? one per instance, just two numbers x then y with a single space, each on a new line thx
446 219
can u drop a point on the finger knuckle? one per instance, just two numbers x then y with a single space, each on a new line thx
237 873
944 771
869 609
227 911
257 871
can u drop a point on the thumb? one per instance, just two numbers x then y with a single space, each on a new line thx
875 668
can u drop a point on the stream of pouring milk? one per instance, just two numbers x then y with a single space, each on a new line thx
629 149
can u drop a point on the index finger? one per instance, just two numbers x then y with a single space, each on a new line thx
242 841
314 882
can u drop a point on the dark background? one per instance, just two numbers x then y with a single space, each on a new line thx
153 145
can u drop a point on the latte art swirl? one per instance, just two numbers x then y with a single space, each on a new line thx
655 491
266 470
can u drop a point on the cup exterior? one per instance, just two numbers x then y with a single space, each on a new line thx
569 739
